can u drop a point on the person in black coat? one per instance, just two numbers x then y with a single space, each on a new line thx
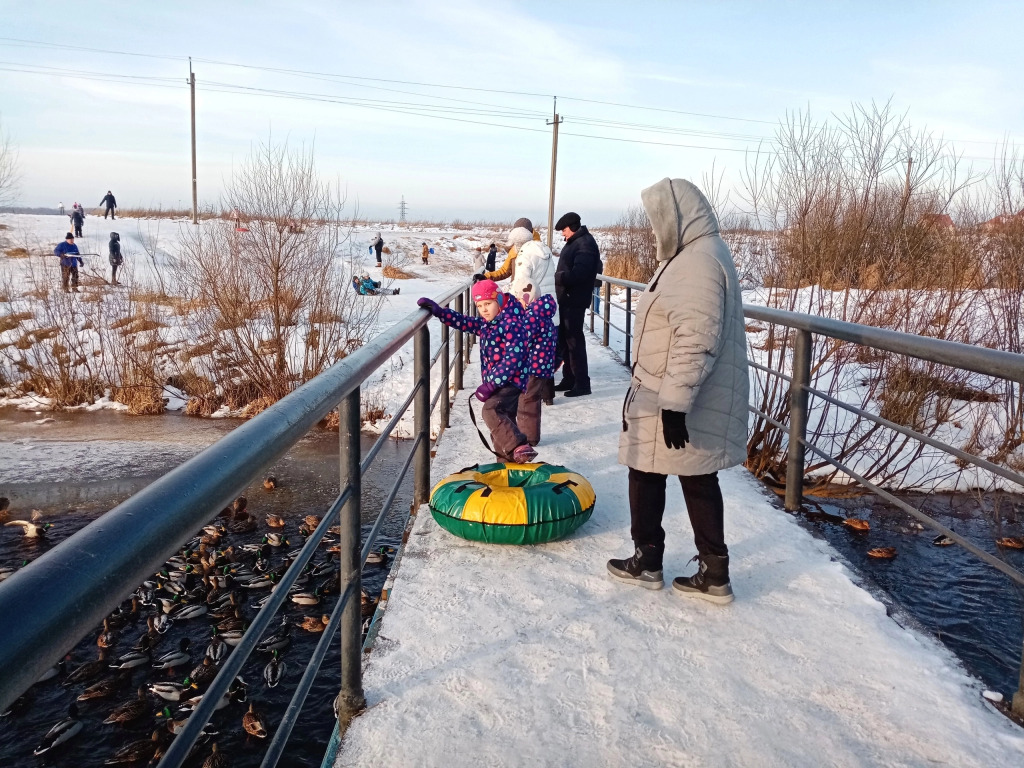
78 219
578 267
115 256
110 203
378 246
492 255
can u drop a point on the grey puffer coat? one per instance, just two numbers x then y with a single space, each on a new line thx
690 346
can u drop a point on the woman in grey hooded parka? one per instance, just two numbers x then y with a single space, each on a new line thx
685 412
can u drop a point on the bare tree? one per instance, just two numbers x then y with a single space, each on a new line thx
8 168
272 295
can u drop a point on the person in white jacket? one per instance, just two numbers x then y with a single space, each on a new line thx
685 413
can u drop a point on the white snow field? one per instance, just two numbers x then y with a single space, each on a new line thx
495 655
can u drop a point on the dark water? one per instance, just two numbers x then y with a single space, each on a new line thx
307 484
975 610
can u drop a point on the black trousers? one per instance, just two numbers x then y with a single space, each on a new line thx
378 256
78 230
572 345
110 210
703 503
113 272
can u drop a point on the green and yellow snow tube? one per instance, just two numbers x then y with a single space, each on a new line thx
512 503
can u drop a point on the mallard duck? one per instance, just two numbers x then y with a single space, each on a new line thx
224 599
857 524
170 691
108 637
106 687
132 710
245 525
270 483
189 611
161 622
322 569
9 570
137 751
60 733
90 670
311 521
124 615
275 521
134 659
203 674
232 637
236 621
367 605
216 759
314 623
60 668
32 530
174 658
278 640
214 530
274 671
275 539
239 505
217 649
329 586
1011 542
253 722
307 598
262 581
942 540
882 553
235 694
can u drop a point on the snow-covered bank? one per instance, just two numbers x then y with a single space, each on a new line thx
507 656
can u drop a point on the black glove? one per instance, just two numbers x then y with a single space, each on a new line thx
673 426
478 276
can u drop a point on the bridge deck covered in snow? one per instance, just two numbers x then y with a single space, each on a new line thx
529 656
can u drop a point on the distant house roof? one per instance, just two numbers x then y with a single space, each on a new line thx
938 220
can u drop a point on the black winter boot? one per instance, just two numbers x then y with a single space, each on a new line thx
565 385
710 582
642 569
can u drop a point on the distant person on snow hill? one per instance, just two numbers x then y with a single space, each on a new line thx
685 412
60 208
492 254
110 204
115 256
365 286
426 253
77 219
70 261
578 267
378 246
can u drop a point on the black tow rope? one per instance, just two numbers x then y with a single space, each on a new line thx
472 417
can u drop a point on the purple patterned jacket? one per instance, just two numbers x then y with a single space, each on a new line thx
541 360
504 349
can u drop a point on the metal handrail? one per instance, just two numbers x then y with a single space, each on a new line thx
163 516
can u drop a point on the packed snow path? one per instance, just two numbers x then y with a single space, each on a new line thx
532 656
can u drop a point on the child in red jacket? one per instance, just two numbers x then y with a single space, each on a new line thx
503 358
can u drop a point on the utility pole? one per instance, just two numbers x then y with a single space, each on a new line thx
195 195
554 160
402 208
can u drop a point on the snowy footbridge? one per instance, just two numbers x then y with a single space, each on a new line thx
506 656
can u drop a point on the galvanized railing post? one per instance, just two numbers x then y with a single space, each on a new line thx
593 303
350 700
629 318
607 291
444 379
1018 697
459 361
798 420
421 374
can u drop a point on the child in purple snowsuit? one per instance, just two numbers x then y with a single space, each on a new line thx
542 345
503 358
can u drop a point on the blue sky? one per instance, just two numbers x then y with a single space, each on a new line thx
736 68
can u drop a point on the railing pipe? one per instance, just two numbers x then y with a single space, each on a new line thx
607 290
798 420
460 363
446 403
421 372
350 698
158 520
629 317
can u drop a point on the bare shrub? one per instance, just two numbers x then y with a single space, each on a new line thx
261 293
631 253
8 168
